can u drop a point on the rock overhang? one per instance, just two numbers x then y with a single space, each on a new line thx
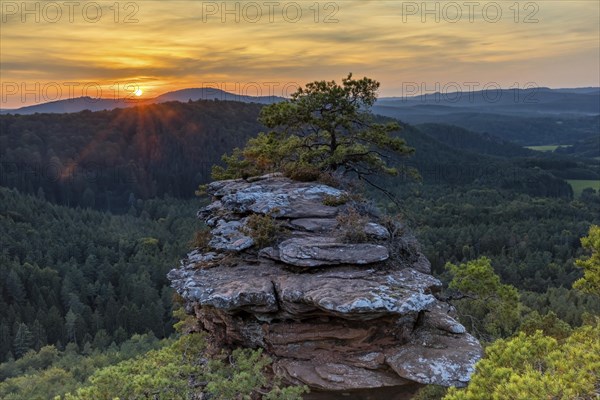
333 315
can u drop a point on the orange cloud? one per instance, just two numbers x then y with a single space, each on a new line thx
165 46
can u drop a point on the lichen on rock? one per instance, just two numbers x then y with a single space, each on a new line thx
336 316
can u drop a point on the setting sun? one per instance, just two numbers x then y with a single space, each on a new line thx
138 92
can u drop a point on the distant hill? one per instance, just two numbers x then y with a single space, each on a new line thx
74 105
111 158
213 94
583 90
522 102
417 109
480 143
523 130
92 104
115 156
448 162
560 164
527 117
588 147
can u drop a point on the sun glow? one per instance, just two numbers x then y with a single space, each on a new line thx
138 92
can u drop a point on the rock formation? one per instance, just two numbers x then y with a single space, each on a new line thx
342 301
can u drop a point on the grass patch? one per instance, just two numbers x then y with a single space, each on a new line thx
201 239
579 184
264 229
352 225
334 201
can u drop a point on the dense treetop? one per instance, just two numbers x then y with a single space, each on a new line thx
85 277
324 127
591 279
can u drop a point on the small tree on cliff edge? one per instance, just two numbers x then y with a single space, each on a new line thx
323 128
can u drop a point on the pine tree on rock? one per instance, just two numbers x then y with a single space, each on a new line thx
324 127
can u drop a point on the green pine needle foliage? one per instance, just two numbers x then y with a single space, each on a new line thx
184 369
488 308
531 367
590 283
323 127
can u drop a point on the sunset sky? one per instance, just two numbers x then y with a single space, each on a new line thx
181 44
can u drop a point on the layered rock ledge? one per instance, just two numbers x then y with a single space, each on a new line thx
342 302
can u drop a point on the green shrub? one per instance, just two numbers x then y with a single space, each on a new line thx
549 324
352 226
185 370
302 172
590 283
431 392
238 376
537 367
264 229
488 308
201 239
335 201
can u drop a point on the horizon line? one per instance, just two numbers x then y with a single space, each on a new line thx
233 93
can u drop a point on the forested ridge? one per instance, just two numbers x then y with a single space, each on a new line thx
104 159
85 277
85 251
533 240
526 129
107 159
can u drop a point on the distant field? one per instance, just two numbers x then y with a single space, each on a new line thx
550 147
579 185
